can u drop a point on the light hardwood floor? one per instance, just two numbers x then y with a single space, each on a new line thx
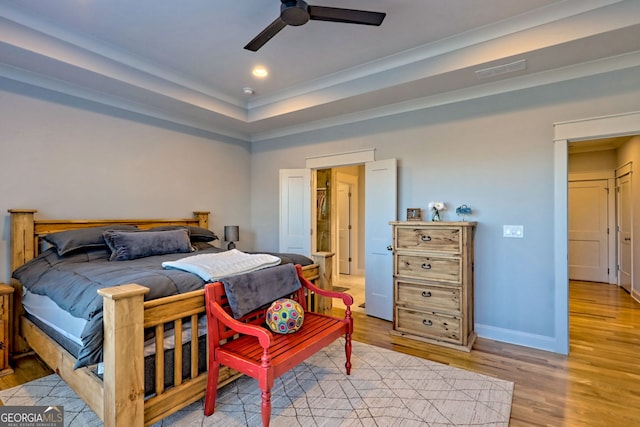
355 288
597 384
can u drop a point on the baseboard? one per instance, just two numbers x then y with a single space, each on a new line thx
540 342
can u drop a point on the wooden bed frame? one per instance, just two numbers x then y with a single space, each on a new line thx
118 398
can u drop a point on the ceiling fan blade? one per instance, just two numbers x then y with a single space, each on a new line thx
266 35
350 16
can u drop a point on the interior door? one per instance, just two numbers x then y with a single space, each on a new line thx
380 208
588 231
623 207
344 228
295 211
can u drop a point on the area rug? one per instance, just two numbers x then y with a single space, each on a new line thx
385 388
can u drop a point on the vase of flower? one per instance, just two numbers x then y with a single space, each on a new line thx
436 208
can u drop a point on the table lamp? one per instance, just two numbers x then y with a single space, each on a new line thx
231 235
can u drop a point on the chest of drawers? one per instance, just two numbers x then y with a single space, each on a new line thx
433 282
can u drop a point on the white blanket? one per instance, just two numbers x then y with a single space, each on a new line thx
213 267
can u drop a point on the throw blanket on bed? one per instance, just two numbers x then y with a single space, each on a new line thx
215 266
253 290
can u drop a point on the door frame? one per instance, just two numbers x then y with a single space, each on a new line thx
625 171
565 132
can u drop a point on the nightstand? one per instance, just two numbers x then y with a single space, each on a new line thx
6 293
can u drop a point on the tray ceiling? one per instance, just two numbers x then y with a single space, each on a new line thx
184 61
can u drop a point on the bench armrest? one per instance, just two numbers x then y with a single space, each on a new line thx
264 337
346 298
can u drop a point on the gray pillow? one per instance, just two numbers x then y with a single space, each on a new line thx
82 238
126 245
199 234
196 234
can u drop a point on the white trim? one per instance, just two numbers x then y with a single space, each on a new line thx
576 130
598 127
511 336
340 159
613 252
561 249
590 176
623 170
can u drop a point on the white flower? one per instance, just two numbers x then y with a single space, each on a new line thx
438 206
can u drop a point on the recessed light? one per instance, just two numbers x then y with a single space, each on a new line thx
248 91
260 72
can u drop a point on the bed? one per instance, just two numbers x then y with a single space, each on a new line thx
117 389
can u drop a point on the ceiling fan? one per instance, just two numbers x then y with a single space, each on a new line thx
298 12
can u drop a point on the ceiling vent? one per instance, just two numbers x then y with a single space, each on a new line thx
501 69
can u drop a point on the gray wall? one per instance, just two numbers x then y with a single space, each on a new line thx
74 159
71 159
494 154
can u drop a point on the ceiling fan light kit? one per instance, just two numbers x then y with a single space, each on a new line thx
298 12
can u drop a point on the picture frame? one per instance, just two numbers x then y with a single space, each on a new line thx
414 214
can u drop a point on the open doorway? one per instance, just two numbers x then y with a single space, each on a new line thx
340 201
591 210
580 132
380 207
594 211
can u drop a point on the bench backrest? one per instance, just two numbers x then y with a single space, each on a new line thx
216 292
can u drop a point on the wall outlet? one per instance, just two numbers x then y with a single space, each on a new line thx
513 231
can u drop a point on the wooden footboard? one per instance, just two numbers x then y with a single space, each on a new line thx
126 316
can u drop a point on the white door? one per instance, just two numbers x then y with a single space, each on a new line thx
588 231
380 208
623 202
344 228
295 211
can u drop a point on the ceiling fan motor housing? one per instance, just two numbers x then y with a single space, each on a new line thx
294 12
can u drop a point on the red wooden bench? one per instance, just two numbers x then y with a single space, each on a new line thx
248 346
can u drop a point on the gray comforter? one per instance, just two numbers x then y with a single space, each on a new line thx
72 282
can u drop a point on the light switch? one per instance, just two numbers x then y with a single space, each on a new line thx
513 231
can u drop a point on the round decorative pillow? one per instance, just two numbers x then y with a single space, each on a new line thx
285 316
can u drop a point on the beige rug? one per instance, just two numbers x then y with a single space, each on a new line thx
385 388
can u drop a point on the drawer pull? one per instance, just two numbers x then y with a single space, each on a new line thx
425 238
426 266
426 322
426 294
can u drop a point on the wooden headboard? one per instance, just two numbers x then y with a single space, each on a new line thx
26 230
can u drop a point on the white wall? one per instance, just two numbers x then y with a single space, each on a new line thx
71 160
495 155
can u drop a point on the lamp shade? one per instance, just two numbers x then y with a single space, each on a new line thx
231 233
